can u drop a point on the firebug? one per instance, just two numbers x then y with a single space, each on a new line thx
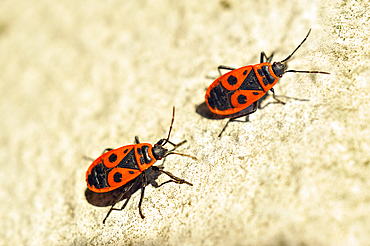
231 93
118 173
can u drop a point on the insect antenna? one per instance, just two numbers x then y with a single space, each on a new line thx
175 153
296 71
297 47
175 145
169 132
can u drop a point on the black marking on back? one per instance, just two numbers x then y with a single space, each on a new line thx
232 80
117 177
147 158
242 99
260 72
112 158
131 172
251 82
98 176
139 151
269 77
218 98
129 161
255 93
265 81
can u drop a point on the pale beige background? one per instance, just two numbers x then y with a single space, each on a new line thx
80 76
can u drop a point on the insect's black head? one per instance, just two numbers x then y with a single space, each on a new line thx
158 150
279 68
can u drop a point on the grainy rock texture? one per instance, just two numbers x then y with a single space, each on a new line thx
77 77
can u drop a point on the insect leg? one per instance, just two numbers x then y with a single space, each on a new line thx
91 159
87 158
224 67
118 209
142 195
107 149
118 199
173 178
137 140
177 145
255 106
273 95
268 59
168 181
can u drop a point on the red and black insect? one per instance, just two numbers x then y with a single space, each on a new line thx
124 170
231 93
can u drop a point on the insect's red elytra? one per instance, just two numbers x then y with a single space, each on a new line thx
119 166
124 170
236 90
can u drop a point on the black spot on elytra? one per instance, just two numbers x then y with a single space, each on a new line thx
131 172
125 151
117 177
232 80
112 158
255 93
242 99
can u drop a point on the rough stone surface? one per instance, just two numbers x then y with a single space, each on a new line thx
77 77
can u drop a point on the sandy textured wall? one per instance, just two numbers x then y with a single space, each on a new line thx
80 76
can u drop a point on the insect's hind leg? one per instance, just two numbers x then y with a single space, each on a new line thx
255 106
142 196
119 199
118 209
